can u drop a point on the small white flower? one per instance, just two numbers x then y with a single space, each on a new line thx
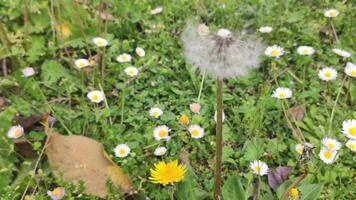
282 93
327 155
349 128
131 71
327 74
155 112
81 63
140 52
196 131
122 150
259 168
216 116
305 50
350 69
57 193
156 10
342 53
331 144
274 51
100 42
195 107
160 151
331 13
265 29
122 58
96 96
299 148
203 29
224 33
161 132
351 144
28 71
15 132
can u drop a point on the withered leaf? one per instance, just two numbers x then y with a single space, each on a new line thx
277 177
297 112
79 158
28 123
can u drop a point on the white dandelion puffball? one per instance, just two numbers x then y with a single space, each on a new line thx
161 133
28 71
282 93
342 53
140 52
56 193
259 168
100 42
327 74
122 150
221 55
196 131
156 10
96 96
81 63
350 69
351 144
299 148
131 71
15 132
155 112
274 51
122 58
160 151
349 128
327 156
331 144
305 50
331 13
265 29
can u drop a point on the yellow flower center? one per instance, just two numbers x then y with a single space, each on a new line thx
293 193
327 154
274 52
169 173
162 133
300 150
258 169
330 145
195 107
122 151
203 30
57 191
352 131
327 74
353 73
352 146
95 97
155 113
82 64
195 132
184 120
18 132
123 58
332 13
131 72
282 95
305 51
100 42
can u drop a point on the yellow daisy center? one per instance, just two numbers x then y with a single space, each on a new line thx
100 42
330 145
131 71
122 151
353 73
282 95
18 132
258 169
195 107
274 52
155 113
352 146
195 132
162 133
95 97
82 64
305 51
327 74
300 150
203 30
327 154
332 13
123 58
352 131
57 191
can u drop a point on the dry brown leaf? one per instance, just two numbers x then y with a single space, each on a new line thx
79 158
297 112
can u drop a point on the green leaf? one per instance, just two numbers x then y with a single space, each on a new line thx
52 71
310 191
189 188
253 149
233 189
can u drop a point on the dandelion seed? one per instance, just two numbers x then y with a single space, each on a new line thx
327 155
274 51
342 53
350 70
184 120
160 151
28 71
351 144
156 10
293 194
96 96
167 173
203 29
140 52
195 107
81 63
299 148
305 50
100 42
122 150
331 144
155 112
259 168
131 71
331 13
57 193
327 74
161 132
15 132
265 29
122 58
196 131
349 128
282 93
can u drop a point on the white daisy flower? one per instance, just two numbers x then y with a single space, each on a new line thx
342 53
100 42
331 144
327 74
155 112
305 50
124 58
203 29
331 13
81 63
195 107
15 132
131 71
216 116
156 10
327 155
259 168
265 29
351 144
196 131
122 150
350 69
28 71
140 52
299 148
95 96
282 93
224 33
57 193
161 132
349 128
274 51
160 151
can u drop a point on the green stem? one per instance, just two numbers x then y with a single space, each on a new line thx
334 31
201 87
219 138
171 192
335 104
123 95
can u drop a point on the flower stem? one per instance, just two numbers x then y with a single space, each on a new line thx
201 87
123 104
219 138
171 192
334 31
334 106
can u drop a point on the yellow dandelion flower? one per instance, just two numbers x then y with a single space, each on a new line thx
184 120
167 173
64 30
293 193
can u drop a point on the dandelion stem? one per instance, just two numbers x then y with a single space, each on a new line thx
335 104
171 192
219 138
201 87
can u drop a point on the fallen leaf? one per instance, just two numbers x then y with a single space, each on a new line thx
28 123
79 158
297 112
277 177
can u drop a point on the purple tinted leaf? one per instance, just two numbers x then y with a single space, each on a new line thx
277 177
283 172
